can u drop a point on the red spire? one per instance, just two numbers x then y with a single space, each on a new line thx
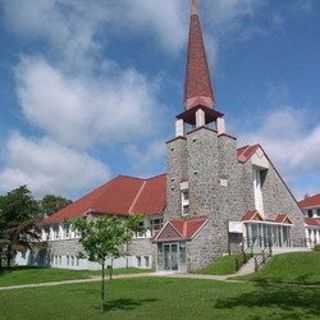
198 89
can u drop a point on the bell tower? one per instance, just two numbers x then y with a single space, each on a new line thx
201 157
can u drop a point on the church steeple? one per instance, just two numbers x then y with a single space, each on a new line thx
199 99
198 87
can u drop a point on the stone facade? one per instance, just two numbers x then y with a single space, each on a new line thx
222 188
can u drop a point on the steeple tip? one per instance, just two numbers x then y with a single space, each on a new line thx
194 8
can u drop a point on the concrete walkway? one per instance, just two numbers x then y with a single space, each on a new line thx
125 276
61 283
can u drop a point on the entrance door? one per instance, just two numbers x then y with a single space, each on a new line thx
171 258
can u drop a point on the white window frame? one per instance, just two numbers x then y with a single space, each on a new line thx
257 186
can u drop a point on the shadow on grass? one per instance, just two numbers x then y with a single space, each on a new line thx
124 304
290 302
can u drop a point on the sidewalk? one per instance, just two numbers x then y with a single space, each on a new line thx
61 283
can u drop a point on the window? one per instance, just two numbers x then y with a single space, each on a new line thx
138 261
67 231
310 213
77 261
47 234
72 260
60 260
257 184
56 233
68 260
318 212
156 225
147 261
185 202
141 232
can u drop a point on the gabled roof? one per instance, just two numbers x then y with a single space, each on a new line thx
181 229
310 202
246 152
121 196
251 215
312 221
254 215
282 218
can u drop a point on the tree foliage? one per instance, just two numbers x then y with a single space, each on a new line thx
51 204
104 237
19 213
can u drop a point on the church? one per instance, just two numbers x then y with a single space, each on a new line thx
214 198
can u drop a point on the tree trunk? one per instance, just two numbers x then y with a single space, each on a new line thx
102 284
9 256
127 254
111 270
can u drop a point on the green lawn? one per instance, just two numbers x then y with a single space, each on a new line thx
163 299
222 266
299 268
27 275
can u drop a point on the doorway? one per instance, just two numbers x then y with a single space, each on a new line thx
172 256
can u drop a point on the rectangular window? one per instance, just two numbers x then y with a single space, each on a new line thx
156 225
60 260
77 261
185 202
72 260
66 231
310 213
138 261
318 212
68 260
141 232
56 233
257 184
147 261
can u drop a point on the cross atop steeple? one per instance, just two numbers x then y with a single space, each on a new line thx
198 88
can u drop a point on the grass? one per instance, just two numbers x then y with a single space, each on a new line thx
222 266
165 299
31 275
293 268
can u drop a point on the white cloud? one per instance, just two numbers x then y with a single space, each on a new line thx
47 167
82 111
290 140
143 159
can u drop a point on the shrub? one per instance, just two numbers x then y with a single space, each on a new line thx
317 248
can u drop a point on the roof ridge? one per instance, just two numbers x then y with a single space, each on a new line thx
135 200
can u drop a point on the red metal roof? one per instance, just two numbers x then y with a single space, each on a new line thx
282 218
121 196
251 215
181 229
312 221
254 215
198 88
309 202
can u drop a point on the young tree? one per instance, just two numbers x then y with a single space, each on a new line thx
104 237
51 204
18 215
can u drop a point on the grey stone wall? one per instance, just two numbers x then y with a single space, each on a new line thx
177 156
70 247
206 159
277 199
140 247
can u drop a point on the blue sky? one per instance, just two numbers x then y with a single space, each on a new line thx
91 91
